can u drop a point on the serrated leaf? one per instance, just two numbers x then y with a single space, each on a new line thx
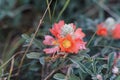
33 55
59 76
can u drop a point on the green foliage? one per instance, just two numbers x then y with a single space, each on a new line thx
59 76
33 55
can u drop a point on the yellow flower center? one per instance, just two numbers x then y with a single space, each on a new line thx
66 43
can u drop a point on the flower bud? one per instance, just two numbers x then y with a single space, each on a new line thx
99 77
109 23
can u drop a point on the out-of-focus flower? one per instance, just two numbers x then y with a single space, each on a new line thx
99 77
110 23
116 32
101 30
109 28
67 39
115 70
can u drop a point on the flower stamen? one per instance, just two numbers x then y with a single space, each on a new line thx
66 44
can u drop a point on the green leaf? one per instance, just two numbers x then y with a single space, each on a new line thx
63 9
42 60
36 42
110 60
33 55
76 59
25 36
118 78
59 76
73 77
81 66
85 68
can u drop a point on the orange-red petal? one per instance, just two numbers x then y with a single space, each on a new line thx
101 30
79 34
116 32
72 48
56 29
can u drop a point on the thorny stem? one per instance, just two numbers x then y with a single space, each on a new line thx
40 22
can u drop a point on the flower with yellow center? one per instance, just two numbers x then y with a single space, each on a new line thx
67 44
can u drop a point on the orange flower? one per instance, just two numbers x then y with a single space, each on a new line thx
101 31
67 44
116 32
68 39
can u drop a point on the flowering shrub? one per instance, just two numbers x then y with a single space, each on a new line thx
68 57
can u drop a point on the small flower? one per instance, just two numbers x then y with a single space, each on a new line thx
67 39
115 70
109 28
99 77
101 31
110 23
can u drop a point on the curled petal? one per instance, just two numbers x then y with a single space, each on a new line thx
48 40
51 50
79 34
